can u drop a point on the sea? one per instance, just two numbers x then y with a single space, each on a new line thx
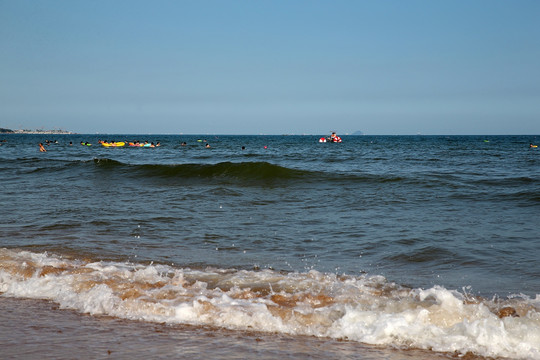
266 247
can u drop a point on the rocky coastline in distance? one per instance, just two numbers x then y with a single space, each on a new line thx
36 131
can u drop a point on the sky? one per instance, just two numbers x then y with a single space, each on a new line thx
383 67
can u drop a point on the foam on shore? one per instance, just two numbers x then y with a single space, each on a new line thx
367 309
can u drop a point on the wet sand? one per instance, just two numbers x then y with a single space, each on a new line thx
35 329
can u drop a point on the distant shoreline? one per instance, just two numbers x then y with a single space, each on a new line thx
36 131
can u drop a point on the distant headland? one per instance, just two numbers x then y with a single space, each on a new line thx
36 131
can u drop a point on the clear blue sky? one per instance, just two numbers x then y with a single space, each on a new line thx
271 67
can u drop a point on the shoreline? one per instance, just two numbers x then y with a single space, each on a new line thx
45 132
56 332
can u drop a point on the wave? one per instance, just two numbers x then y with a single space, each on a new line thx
233 170
261 170
366 309
466 186
249 170
242 170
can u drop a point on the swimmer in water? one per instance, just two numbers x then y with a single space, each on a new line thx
334 138
42 148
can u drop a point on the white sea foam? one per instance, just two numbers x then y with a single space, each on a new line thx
364 309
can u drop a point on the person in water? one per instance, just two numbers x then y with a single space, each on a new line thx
334 138
42 148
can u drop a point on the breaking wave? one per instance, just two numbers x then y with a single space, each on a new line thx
366 309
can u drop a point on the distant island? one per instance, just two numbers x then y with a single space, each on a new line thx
36 131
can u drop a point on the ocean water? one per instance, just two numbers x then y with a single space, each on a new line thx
380 247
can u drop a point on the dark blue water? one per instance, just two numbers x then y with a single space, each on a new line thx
426 244
456 211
